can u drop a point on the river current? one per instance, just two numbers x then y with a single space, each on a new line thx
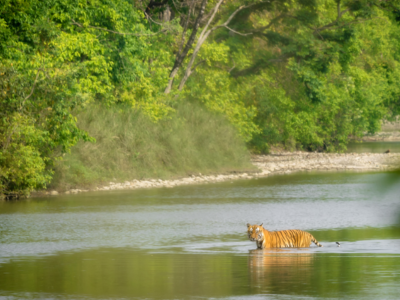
191 241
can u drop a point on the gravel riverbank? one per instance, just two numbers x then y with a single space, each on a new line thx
268 165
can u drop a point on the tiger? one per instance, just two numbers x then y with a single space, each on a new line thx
280 239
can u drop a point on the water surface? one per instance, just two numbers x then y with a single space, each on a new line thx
190 242
373 147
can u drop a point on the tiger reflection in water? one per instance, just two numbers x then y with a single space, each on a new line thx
279 270
279 239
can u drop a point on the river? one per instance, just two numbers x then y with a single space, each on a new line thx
191 241
373 147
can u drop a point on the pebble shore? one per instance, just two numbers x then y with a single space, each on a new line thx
268 165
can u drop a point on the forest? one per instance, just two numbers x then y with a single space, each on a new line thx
166 87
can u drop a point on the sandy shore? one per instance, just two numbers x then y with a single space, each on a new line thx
288 162
268 165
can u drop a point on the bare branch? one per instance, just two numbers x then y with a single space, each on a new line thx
181 56
205 33
234 66
225 24
239 9
230 29
215 9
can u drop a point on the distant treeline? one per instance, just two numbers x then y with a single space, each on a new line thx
302 74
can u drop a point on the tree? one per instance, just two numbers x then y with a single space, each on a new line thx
53 61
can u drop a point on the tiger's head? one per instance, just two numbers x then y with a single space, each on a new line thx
255 232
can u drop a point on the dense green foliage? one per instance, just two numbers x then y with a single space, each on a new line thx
305 74
337 79
49 66
314 78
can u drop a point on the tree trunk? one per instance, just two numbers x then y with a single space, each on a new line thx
180 57
203 36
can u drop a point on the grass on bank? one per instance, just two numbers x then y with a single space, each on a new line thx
130 146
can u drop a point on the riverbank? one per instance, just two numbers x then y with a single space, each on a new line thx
129 145
221 159
268 165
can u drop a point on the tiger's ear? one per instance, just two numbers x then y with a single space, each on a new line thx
248 225
261 224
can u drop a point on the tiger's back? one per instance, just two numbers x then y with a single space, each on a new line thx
294 238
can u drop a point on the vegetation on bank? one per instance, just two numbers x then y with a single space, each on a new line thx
130 146
304 74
